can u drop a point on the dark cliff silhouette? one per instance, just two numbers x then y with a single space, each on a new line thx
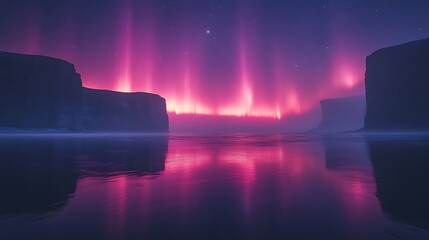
397 87
44 92
401 174
105 110
39 92
38 177
342 114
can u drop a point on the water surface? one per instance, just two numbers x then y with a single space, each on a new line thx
236 186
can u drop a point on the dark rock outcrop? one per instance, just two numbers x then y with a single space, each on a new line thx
342 114
108 110
397 87
39 92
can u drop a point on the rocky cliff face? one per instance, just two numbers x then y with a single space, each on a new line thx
397 87
115 111
342 114
44 92
39 92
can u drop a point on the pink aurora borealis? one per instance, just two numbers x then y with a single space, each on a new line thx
238 58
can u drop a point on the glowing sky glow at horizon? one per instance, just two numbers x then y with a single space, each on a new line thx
239 58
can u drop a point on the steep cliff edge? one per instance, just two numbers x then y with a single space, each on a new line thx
397 87
39 92
116 111
342 114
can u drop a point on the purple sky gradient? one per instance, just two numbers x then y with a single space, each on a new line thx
242 58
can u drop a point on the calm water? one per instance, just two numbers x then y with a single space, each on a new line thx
214 187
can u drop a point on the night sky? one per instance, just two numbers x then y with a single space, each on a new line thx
225 57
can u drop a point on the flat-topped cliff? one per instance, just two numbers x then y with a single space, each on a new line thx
117 111
397 87
39 92
342 114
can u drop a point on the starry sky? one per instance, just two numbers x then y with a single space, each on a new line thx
266 58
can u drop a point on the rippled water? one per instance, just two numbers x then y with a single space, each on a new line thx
347 186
